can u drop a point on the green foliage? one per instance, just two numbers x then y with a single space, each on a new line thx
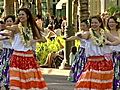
43 49
113 8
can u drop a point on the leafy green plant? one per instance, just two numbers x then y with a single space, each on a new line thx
113 8
43 49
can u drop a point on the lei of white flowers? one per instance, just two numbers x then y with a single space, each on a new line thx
118 20
98 40
26 35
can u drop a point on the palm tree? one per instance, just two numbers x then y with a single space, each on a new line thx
8 7
32 7
16 5
49 7
84 14
75 9
39 7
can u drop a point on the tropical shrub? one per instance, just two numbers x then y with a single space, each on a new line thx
43 49
113 8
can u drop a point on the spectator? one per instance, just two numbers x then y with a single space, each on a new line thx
51 33
72 55
39 22
54 59
63 25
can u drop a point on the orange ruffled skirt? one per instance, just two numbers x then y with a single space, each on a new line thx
25 73
97 75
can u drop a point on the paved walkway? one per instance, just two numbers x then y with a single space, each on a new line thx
57 79
53 71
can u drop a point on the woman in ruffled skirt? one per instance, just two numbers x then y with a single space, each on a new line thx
6 53
113 28
98 71
25 73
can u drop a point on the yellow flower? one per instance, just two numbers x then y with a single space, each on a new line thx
118 19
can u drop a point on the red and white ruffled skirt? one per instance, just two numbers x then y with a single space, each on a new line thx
97 75
25 73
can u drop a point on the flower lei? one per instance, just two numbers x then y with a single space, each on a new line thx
26 35
118 20
98 40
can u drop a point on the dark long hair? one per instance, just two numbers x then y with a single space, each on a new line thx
31 22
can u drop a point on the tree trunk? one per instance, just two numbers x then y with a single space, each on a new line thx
84 14
49 7
69 32
75 9
16 5
39 7
8 7
32 8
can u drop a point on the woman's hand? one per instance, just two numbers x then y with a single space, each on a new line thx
6 33
4 37
108 42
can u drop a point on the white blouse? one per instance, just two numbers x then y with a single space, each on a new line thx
18 45
83 42
7 44
94 50
115 48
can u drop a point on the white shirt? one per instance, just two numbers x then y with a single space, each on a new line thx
94 50
18 45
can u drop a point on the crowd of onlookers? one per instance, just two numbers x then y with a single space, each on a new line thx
52 21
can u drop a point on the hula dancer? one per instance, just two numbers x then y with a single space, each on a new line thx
113 27
98 71
25 73
6 53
